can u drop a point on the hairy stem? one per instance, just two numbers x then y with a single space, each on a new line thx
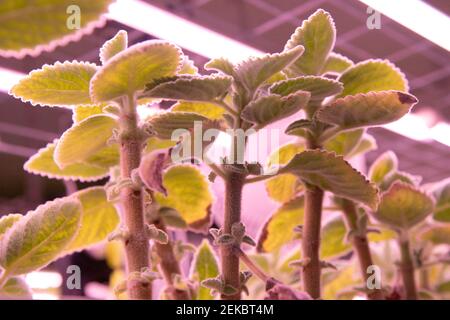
407 268
169 266
361 247
234 184
131 200
249 263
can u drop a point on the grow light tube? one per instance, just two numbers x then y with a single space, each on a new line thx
8 78
417 16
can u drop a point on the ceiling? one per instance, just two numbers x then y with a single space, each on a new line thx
266 25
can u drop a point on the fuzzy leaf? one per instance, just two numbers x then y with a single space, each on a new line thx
403 206
206 109
62 84
82 112
367 109
399 176
15 289
116 44
30 27
284 187
279 229
373 75
187 192
42 163
188 66
438 234
441 192
40 237
344 142
98 220
366 144
8 221
336 64
383 166
332 173
255 71
317 35
191 88
300 128
271 108
222 65
319 87
84 139
154 143
204 266
106 157
165 124
333 242
148 60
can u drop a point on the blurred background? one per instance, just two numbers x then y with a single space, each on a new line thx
421 141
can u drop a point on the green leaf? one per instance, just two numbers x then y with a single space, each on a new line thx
300 128
344 142
209 110
441 192
383 235
336 64
188 66
438 234
279 229
84 139
367 109
62 84
15 289
148 61
187 192
98 220
191 88
106 157
317 35
8 221
253 72
221 65
332 173
373 75
385 164
30 27
268 109
399 176
366 144
284 187
403 206
42 163
443 287
165 124
319 87
333 241
154 143
116 44
82 112
40 237
204 266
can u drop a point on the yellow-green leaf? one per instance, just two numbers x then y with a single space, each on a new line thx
317 35
332 173
336 64
62 84
187 192
82 112
366 144
333 242
367 109
43 163
385 164
98 220
154 143
165 124
209 110
222 65
344 142
437 234
15 289
373 75
106 157
441 192
40 237
204 266
30 27
403 206
116 44
130 70
8 221
273 107
84 139
319 87
279 229
188 66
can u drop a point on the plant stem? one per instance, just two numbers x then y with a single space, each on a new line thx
234 184
169 266
131 200
407 268
361 247
249 263
3 278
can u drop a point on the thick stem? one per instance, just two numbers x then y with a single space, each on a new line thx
234 183
361 247
407 268
137 244
169 266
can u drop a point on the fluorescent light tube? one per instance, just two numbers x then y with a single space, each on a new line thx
418 16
